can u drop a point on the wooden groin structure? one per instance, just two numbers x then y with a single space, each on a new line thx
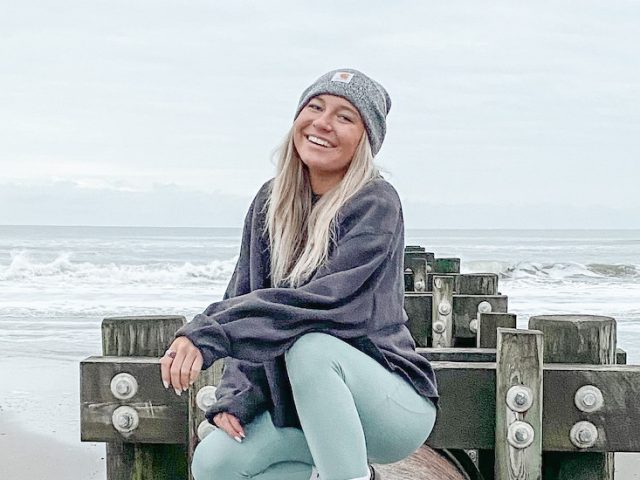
553 401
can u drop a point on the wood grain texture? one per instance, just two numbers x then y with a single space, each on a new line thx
488 324
519 363
147 336
162 414
424 464
589 339
447 265
442 296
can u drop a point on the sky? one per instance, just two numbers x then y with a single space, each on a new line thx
505 114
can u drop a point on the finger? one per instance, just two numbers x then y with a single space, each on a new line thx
230 429
165 372
185 370
175 370
235 423
196 367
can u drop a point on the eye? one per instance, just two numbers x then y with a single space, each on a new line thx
346 118
314 106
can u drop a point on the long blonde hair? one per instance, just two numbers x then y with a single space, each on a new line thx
300 233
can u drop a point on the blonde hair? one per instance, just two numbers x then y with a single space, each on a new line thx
300 233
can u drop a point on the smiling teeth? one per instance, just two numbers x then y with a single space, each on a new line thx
318 141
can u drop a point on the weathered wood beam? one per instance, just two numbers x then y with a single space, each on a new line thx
518 446
588 339
142 336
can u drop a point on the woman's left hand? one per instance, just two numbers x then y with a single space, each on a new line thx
180 365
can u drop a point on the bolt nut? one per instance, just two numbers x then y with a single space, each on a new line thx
484 307
520 434
419 286
519 398
444 308
206 397
429 269
584 434
124 386
437 282
438 327
589 398
204 429
125 419
473 326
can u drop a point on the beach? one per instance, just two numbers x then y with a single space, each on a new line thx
59 283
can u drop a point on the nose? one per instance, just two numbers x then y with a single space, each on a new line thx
323 122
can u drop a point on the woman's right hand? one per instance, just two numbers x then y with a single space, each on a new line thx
230 424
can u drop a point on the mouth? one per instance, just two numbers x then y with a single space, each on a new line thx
321 142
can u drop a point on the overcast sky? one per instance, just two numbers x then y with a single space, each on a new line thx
505 114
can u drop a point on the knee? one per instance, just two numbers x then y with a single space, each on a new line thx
211 463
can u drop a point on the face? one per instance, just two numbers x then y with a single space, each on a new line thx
326 134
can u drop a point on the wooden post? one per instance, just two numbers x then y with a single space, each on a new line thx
447 265
419 263
488 324
477 284
588 339
149 337
442 312
518 405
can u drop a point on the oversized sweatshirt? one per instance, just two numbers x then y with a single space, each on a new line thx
357 295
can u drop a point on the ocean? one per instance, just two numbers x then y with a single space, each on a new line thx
57 283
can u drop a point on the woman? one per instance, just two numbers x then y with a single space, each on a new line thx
321 374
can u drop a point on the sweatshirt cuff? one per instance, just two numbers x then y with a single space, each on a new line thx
239 405
208 336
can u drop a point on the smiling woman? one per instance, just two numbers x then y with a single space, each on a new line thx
312 326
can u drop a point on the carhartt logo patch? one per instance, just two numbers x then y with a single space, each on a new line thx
344 77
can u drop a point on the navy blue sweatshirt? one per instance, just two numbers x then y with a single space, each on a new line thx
357 295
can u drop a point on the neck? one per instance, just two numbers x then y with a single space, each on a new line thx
322 183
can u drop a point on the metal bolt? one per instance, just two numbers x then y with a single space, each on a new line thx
588 398
520 434
519 398
473 326
204 429
444 308
408 271
438 327
125 419
484 307
437 282
583 434
206 397
124 386
429 269
419 286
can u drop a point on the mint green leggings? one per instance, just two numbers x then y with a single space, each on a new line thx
352 410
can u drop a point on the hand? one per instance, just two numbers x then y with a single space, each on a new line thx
230 424
181 365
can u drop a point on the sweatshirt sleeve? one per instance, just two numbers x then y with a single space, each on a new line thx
240 390
262 324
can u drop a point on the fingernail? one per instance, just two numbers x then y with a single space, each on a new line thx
185 389
178 392
237 439
243 435
165 383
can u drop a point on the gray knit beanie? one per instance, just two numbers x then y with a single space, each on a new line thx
367 95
